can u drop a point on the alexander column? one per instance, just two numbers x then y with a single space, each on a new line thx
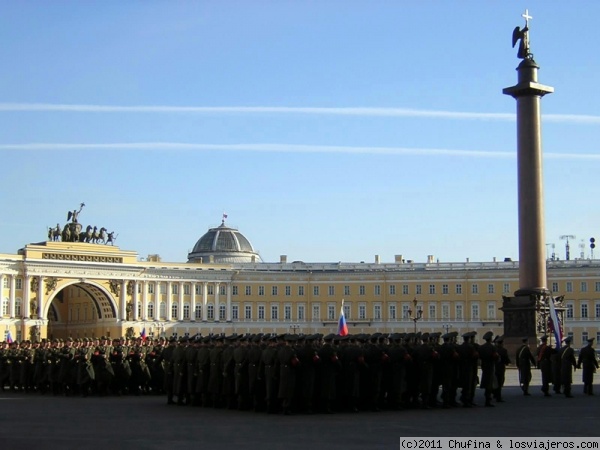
520 319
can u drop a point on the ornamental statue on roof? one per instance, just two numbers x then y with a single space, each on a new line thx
73 231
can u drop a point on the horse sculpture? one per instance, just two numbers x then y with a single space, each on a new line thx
71 232
99 236
54 234
86 236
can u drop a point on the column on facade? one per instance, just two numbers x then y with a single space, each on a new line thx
169 299
204 301
228 311
12 296
40 298
2 294
217 304
144 300
157 287
193 302
123 300
180 300
25 307
136 300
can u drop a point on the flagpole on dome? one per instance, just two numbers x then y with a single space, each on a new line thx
224 217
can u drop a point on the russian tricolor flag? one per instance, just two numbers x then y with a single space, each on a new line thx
342 325
143 334
555 324
9 339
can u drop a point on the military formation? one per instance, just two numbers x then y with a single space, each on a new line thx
88 366
291 373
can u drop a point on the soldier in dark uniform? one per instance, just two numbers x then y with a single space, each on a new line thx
102 368
241 361
328 369
269 371
587 359
468 369
544 363
424 360
13 363
40 366
140 375
3 365
169 370
256 382
399 359
215 379
524 362
120 366
501 363
228 370
26 366
203 373
567 365
191 361
154 359
85 369
449 358
488 356
288 362
65 376
180 370
375 357
53 359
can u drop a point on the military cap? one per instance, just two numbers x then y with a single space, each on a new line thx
544 338
488 336
590 340
567 340
525 339
69 339
467 335
291 337
499 339
329 337
425 336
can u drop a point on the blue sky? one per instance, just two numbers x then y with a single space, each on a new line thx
326 130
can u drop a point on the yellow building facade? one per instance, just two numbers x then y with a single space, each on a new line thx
61 289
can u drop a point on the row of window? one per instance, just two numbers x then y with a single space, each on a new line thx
331 312
362 289
405 313
347 291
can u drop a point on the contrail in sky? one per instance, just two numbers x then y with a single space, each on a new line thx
284 148
350 111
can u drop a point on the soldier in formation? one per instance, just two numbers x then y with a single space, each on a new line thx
587 360
284 373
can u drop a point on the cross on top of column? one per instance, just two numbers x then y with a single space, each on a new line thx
526 16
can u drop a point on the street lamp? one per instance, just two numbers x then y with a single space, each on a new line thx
294 327
446 327
418 313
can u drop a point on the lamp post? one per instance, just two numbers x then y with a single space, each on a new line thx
415 314
294 327
446 327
